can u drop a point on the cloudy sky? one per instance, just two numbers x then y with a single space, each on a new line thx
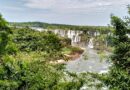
76 12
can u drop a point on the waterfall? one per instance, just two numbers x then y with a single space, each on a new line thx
72 34
55 31
90 45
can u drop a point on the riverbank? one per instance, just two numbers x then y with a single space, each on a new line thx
70 53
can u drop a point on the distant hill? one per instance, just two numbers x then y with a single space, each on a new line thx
57 26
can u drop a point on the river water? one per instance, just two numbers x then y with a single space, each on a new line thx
92 63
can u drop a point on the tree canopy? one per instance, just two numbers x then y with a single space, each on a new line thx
118 77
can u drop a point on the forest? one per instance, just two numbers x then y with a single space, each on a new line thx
59 26
29 58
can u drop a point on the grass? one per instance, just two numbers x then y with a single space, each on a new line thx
72 50
30 56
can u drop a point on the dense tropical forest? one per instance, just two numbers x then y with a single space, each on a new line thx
31 59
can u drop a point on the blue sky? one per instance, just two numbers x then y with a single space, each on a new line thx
76 12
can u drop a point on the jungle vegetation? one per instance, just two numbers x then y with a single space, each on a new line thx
25 56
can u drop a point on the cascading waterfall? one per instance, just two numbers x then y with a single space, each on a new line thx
74 36
90 44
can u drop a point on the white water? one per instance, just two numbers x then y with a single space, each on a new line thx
90 44
73 35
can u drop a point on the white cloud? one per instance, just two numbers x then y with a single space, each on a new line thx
76 7
73 4
65 4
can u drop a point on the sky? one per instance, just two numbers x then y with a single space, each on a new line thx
74 12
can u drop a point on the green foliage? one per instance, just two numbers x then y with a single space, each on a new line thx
72 50
118 78
41 76
4 31
21 75
30 40
121 43
6 45
11 73
38 75
24 61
